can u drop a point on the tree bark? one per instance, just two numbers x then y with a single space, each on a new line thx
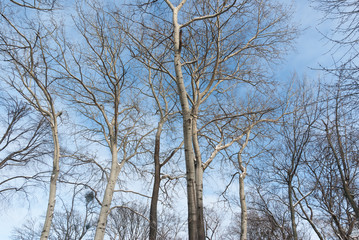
200 210
53 182
199 177
156 185
187 134
242 197
107 198
292 211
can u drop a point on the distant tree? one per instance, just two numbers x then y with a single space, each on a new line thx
74 222
128 222
344 35
268 216
30 230
294 136
334 167
77 220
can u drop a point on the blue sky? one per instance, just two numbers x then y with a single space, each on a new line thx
310 47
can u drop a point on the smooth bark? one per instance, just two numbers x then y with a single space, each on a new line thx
187 132
242 176
199 176
200 208
53 182
242 197
107 198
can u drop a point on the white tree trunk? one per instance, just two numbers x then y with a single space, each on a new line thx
242 197
107 198
53 182
199 178
200 209
187 135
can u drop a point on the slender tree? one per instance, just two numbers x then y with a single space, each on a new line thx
161 95
29 73
295 135
97 83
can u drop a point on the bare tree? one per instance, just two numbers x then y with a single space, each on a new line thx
24 46
28 231
325 188
129 222
76 220
294 137
69 223
240 135
200 38
336 174
267 209
100 89
342 148
343 17
161 93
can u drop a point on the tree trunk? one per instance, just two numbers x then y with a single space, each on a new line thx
53 182
187 134
156 185
107 198
199 192
199 177
242 198
292 211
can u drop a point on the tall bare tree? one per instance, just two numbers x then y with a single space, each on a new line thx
295 134
337 171
24 46
245 134
161 93
200 37
95 67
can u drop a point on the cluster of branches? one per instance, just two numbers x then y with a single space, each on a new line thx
95 101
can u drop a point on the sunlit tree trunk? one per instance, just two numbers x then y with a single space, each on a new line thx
187 131
53 182
242 198
107 198
199 177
